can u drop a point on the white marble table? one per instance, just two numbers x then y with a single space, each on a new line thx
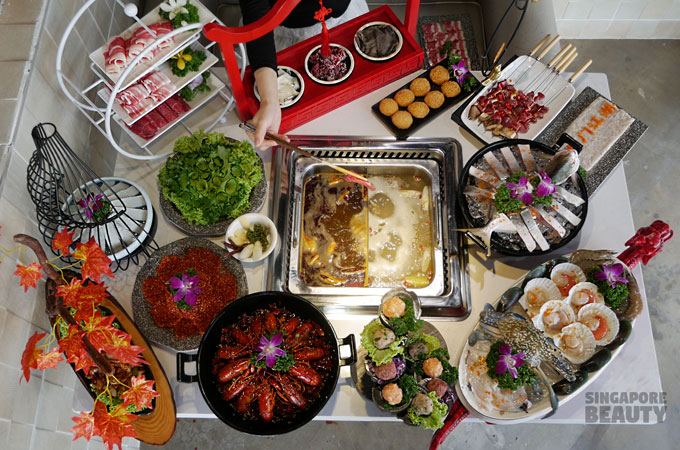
608 225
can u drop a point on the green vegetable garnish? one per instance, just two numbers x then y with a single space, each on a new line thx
379 356
520 190
402 325
188 92
258 233
187 179
409 386
505 380
613 296
582 172
283 363
435 420
431 342
188 60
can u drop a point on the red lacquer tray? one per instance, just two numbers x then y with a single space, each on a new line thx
368 76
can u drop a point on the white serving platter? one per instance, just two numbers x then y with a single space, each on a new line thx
178 82
558 87
181 41
216 85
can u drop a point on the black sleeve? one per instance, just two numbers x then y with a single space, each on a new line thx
261 51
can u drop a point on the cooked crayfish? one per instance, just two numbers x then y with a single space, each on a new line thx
256 390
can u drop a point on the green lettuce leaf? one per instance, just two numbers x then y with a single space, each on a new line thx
435 420
379 356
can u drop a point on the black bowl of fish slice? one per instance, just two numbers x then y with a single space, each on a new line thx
504 245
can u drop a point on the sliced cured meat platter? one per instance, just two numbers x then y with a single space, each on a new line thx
558 90
216 85
153 89
165 51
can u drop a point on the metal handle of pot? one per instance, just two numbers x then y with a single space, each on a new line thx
351 341
183 358
566 139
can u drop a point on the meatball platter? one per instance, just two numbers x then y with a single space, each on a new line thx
403 363
419 101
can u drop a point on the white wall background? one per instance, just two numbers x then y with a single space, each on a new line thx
618 19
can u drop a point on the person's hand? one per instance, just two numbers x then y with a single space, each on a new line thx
268 117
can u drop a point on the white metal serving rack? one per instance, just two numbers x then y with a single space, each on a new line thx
100 117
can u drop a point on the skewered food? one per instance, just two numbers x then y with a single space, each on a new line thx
506 111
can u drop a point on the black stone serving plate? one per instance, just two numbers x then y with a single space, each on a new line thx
142 309
418 123
257 197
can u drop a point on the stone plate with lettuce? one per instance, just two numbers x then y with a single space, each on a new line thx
209 181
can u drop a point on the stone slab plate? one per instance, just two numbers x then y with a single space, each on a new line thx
142 309
596 175
172 214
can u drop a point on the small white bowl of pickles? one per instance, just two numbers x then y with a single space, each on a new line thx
251 238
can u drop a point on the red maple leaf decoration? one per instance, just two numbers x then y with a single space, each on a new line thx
140 393
99 330
120 347
29 275
62 241
84 426
29 359
69 291
83 361
113 426
50 359
72 343
95 261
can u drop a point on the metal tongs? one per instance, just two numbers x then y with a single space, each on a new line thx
351 176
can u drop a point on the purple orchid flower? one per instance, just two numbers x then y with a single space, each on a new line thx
611 273
545 186
186 289
269 349
508 362
196 82
91 204
459 71
522 190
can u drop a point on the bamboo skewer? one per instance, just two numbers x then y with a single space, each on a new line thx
539 57
539 45
531 53
572 78
251 129
540 79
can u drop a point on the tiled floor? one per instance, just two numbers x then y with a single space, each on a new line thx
640 74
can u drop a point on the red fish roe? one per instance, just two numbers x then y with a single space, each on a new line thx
216 282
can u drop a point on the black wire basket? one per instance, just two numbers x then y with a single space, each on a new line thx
115 212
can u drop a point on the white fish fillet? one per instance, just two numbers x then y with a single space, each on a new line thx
564 212
527 157
496 165
498 223
530 222
491 179
550 220
511 160
568 196
523 232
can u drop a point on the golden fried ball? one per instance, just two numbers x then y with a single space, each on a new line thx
402 119
439 74
418 110
450 89
434 99
404 97
394 306
433 367
388 106
420 86
392 394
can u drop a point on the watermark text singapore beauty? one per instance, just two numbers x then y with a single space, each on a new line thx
625 407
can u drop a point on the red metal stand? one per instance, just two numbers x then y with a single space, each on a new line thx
317 99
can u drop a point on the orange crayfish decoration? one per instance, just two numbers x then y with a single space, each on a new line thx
320 15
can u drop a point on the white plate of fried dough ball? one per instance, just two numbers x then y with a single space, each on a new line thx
418 101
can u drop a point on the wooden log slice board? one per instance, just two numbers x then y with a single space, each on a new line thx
158 426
